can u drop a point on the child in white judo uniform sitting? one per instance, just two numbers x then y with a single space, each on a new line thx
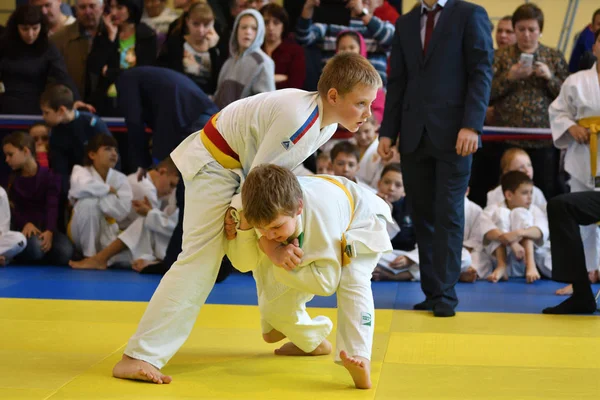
515 232
11 242
101 197
341 240
370 164
149 226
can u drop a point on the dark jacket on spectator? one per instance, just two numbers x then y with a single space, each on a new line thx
168 102
25 74
290 61
406 239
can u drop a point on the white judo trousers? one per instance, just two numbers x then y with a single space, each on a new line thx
283 128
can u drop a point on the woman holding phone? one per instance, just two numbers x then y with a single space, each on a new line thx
527 78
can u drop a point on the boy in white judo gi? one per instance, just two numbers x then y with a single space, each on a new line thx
149 226
369 164
341 238
101 197
515 232
572 115
283 127
11 242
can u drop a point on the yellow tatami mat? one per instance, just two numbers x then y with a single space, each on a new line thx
63 349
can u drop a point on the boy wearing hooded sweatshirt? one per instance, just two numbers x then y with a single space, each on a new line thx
248 70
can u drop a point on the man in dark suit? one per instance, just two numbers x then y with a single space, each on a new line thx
438 93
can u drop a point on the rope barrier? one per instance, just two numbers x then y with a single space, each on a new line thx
117 125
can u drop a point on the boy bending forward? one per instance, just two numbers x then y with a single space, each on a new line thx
341 230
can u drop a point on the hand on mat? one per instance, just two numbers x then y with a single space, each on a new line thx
46 241
385 149
30 229
467 142
142 207
229 224
580 134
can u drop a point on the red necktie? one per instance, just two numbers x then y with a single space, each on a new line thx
430 24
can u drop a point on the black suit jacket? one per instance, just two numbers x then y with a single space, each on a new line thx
446 89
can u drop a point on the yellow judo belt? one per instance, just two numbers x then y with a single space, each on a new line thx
346 249
593 124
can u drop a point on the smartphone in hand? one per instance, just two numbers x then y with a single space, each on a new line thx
526 60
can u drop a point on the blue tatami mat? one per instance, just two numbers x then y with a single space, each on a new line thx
514 296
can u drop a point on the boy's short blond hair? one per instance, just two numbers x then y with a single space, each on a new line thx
268 192
346 70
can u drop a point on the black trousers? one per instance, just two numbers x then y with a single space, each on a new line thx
436 183
565 213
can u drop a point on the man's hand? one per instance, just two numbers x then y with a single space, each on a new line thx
30 229
229 224
467 142
287 257
142 207
309 8
580 134
46 241
385 149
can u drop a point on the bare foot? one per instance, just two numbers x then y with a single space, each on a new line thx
594 276
139 264
498 274
2 261
469 275
531 274
565 291
290 349
273 336
359 368
130 368
88 263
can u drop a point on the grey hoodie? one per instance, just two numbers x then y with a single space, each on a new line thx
248 73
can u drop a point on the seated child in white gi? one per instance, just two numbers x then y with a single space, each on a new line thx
154 217
344 162
515 232
11 242
341 240
101 196
516 159
370 164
